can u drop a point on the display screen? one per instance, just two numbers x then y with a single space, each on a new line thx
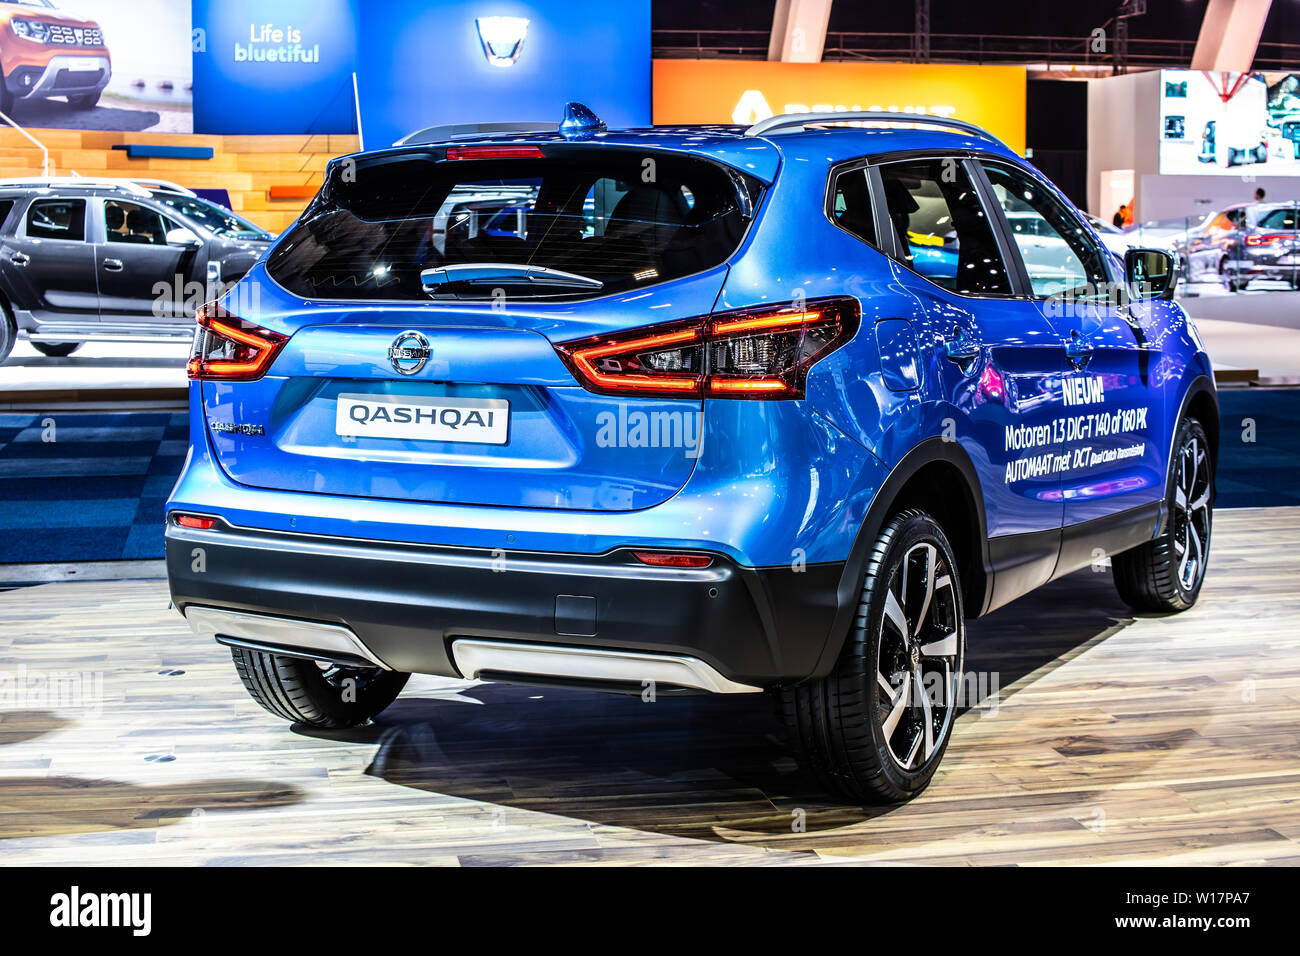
97 64
1229 124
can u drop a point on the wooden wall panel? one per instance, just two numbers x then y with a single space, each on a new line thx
245 166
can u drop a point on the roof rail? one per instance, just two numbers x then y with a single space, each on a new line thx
439 134
164 185
126 185
797 121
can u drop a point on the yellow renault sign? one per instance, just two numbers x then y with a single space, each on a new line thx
746 91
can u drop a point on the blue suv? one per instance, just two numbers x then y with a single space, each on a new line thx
685 410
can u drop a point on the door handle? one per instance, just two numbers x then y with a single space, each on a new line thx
113 265
20 258
1078 349
962 349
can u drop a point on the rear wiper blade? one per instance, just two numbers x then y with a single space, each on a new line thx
490 273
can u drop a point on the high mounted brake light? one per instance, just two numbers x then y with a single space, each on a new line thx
753 353
495 152
228 349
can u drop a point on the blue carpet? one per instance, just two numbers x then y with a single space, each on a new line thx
1265 471
96 493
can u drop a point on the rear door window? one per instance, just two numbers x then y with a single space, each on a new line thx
57 219
588 222
940 226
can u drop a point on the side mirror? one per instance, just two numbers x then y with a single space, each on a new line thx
183 237
1150 273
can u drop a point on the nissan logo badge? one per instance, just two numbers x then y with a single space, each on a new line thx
409 352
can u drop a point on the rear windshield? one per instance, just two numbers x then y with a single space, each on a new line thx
1284 218
583 223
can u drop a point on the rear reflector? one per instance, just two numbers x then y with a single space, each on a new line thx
195 521
495 152
669 559
755 353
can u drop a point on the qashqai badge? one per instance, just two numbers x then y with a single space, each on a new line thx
502 38
409 352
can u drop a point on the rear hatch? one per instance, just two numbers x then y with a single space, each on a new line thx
411 317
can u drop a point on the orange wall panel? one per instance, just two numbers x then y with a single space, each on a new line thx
745 91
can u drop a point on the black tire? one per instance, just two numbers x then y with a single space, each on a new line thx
318 695
85 101
1154 577
849 726
56 349
1230 283
8 328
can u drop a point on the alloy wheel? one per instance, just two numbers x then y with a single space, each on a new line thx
919 660
1191 516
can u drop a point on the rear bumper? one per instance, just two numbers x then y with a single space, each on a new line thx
1268 269
517 615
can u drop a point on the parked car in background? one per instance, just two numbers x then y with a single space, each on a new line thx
1244 242
1167 232
1120 241
45 52
112 260
779 418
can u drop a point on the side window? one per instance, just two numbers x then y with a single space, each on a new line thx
6 207
851 205
1059 255
57 219
133 223
941 227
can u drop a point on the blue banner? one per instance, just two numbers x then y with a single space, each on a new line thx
285 66
425 64
274 66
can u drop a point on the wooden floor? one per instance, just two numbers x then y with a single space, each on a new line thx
1161 740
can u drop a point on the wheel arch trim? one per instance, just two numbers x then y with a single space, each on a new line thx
848 592
1201 384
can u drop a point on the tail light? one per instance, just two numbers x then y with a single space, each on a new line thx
1266 240
228 349
754 353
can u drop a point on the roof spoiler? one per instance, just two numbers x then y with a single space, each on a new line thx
440 134
579 123
795 122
